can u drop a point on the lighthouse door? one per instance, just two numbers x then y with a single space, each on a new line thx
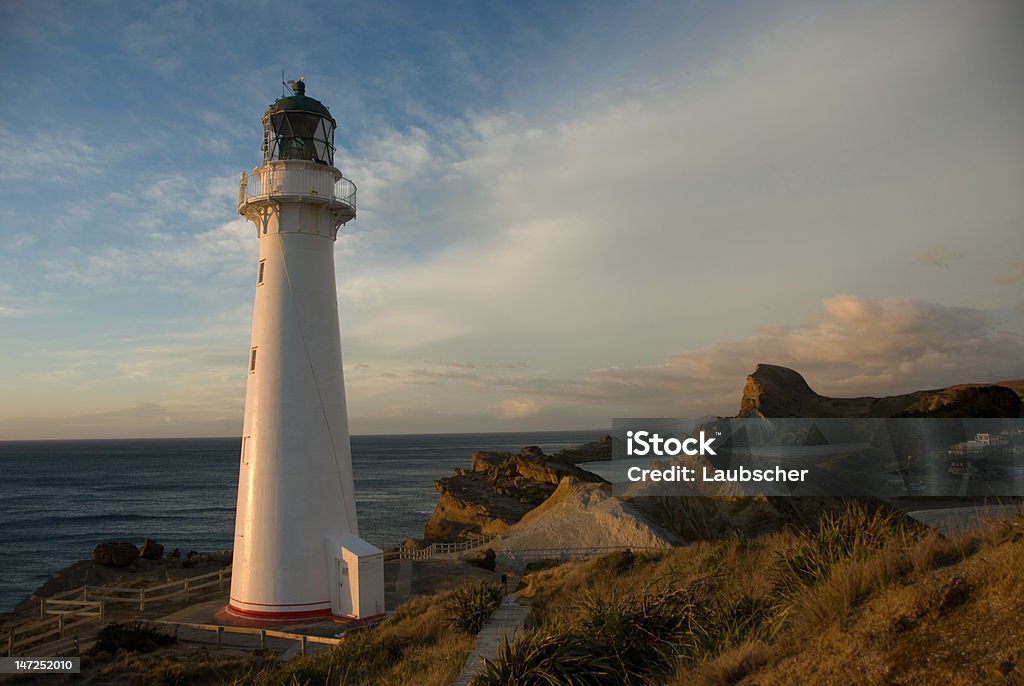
344 588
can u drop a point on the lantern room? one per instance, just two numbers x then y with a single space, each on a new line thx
298 127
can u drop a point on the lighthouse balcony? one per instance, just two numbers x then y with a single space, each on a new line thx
297 180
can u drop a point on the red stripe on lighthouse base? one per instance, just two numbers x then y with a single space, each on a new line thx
280 612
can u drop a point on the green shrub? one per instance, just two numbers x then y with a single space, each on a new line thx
854 532
639 632
540 658
470 605
133 638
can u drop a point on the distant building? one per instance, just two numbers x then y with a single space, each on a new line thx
967 448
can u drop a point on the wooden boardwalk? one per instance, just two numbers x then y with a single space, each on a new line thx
504 623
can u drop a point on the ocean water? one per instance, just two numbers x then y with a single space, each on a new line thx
58 499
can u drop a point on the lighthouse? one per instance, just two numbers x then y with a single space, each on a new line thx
297 551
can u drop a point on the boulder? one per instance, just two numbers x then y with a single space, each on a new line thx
151 550
115 554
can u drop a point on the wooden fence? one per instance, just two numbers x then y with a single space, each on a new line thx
302 639
581 553
140 597
409 553
61 616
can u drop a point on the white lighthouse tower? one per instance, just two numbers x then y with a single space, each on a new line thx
297 552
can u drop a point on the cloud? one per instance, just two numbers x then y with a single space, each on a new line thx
184 262
519 408
602 241
141 420
1014 274
51 155
851 346
941 257
808 157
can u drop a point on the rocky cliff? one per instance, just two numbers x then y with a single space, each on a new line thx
500 487
586 515
773 391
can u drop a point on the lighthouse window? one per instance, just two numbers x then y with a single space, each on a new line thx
259 276
252 361
299 136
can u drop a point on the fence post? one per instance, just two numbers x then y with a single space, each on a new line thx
42 608
220 580
142 600
220 632
10 643
263 639
302 645
186 589
85 592
102 607
60 625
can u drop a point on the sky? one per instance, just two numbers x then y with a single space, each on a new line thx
568 211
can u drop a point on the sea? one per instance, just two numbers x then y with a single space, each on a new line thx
58 499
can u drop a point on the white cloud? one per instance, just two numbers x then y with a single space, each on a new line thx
941 257
1013 274
50 155
850 347
814 156
564 240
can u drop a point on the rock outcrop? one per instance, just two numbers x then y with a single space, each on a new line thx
498 489
774 391
585 515
595 451
151 550
115 554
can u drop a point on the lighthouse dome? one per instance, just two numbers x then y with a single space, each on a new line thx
298 127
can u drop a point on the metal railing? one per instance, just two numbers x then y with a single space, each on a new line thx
306 180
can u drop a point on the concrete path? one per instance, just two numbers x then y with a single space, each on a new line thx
403 586
509 617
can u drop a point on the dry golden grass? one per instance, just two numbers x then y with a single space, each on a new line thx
915 611
867 598
418 644
863 599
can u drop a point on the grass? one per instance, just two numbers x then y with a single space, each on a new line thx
719 612
863 597
425 642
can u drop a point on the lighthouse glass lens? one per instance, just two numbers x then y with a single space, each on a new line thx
301 136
